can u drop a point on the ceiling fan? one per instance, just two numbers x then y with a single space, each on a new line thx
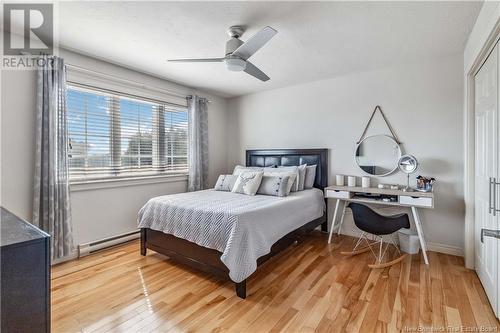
238 52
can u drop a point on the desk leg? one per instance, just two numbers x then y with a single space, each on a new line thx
420 232
342 217
333 221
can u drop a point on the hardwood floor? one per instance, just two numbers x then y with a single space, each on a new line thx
309 287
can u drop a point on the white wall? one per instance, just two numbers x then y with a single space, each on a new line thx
17 141
97 213
423 103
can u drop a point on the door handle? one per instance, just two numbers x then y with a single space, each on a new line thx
489 195
492 196
489 233
494 203
494 189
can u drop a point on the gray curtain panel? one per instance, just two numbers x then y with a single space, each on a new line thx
198 143
51 203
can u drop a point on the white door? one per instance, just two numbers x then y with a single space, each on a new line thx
486 214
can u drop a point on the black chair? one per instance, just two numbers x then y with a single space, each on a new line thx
372 223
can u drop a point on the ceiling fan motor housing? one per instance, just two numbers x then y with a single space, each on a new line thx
235 64
232 45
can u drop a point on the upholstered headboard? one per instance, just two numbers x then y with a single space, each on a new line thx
288 157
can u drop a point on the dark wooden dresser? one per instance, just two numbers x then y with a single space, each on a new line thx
25 276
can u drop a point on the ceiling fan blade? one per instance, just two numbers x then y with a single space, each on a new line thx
197 60
255 42
255 72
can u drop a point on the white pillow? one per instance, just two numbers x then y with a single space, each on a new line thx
310 176
294 169
302 176
240 168
274 185
270 169
225 183
283 173
248 182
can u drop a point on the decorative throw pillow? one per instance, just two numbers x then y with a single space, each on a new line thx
291 177
294 169
274 185
302 176
248 182
240 168
270 168
225 183
310 176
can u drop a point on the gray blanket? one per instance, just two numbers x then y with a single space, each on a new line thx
240 226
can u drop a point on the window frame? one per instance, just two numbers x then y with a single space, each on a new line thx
148 176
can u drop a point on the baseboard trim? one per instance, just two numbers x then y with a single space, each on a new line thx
446 249
73 255
87 248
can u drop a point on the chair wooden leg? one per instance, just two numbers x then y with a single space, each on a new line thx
353 253
389 263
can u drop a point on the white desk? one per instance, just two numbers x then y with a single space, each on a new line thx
414 200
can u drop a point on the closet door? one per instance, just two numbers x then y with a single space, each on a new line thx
487 176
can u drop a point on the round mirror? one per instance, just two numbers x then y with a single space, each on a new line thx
378 155
408 164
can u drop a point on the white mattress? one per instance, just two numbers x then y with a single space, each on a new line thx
240 226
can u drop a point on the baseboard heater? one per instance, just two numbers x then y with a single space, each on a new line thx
87 248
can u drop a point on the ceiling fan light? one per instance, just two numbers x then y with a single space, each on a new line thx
236 64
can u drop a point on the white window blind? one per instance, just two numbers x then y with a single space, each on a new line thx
117 136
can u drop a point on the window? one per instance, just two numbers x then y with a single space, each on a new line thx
115 136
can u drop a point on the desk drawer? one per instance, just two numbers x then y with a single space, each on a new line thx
414 201
338 194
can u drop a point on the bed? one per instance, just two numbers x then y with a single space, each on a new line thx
229 234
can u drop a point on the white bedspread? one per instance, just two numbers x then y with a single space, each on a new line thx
240 226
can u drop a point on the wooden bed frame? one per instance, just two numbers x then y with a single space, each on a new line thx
208 260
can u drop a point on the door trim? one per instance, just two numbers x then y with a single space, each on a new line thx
469 144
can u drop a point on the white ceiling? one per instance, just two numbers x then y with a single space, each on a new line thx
315 40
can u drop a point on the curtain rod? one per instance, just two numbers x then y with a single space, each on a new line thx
139 84
106 90
191 97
